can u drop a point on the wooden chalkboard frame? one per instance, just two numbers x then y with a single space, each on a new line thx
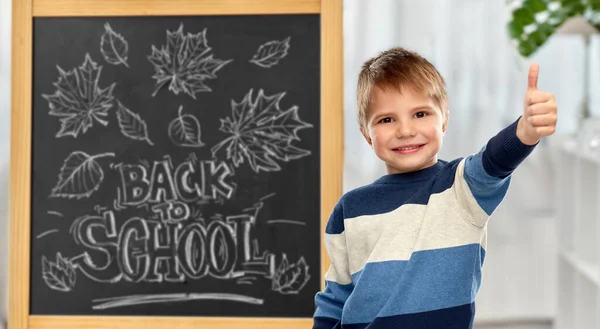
23 14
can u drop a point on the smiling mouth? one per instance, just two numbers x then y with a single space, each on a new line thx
408 150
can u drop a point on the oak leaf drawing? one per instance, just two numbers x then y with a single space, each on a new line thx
79 176
78 99
59 275
261 133
184 63
290 278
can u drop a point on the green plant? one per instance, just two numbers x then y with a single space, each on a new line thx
534 21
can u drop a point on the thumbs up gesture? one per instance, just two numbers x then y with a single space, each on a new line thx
539 112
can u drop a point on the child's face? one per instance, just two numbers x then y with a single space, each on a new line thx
395 121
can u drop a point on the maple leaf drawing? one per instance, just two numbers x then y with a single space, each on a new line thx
290 278
185 62
78 100
261 133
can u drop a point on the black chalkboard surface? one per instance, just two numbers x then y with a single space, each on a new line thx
176 166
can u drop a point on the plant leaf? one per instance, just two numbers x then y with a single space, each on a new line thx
269 54
573 7
79 176
131 124
113 46
526 47
515 30
261 133
524 15
185 130
184 63
537 33
78 100
535 6
537 37
546 29
60 275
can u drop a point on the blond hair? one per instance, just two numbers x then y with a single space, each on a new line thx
395 69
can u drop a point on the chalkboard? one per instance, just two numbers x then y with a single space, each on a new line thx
176 165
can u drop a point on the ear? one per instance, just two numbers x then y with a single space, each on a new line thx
365 134
445 123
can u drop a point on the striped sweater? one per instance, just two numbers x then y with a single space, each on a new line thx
407 250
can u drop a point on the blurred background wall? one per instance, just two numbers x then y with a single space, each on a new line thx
486 81
5 36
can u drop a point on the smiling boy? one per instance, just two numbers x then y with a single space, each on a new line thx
407 250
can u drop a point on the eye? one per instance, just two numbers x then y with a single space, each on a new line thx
421 114
386 120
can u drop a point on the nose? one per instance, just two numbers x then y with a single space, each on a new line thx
404 129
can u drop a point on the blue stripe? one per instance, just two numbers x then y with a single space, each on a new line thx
459 317
335 224
382 198
430 280
487 190
326 323
332 299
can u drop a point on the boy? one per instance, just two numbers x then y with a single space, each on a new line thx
407 250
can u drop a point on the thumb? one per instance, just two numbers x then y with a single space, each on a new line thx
534 70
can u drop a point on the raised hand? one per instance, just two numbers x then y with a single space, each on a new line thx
539 111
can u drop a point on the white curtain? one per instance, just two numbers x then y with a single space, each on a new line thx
486 80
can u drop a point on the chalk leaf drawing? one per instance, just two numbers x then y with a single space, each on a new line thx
79 176
131 124
185 62
290 278
59 275
78 98
113 46
261 132
269 54
185 130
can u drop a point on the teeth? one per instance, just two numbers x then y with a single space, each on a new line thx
408 148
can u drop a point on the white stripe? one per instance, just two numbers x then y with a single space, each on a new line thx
336 248
412 227
467 204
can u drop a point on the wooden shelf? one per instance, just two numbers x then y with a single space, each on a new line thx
577 200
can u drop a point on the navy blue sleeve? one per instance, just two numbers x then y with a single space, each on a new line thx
504 152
